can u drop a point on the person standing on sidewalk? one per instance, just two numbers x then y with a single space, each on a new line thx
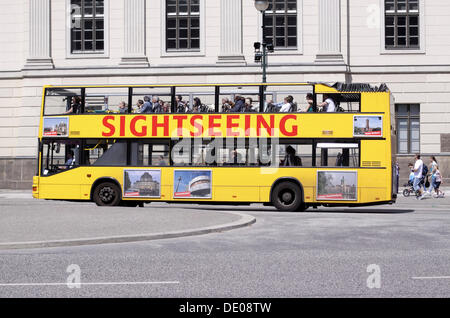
418 177
397 175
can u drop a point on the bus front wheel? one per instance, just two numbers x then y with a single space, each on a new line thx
287 196
107 194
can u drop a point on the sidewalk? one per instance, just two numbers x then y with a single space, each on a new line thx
29 223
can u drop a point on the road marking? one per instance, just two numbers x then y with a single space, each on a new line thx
90 284
432 277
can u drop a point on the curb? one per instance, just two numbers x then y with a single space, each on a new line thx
246 220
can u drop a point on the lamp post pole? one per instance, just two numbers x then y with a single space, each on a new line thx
262 6
264 51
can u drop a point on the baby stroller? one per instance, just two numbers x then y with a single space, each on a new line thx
409 189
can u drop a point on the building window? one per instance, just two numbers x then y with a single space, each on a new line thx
280 24
182 25
87 34
401 24
408 127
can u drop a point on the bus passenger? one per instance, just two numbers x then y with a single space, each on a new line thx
139 105
146 107
75 107
226 105
156 104
288 105
328 104
123 108
248 108
166 107
197 105
239 103
181 105
162 162
291 159
310 101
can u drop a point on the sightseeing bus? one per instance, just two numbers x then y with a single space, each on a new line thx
124 145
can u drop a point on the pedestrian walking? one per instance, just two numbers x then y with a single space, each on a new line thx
432 173
418 176
437 183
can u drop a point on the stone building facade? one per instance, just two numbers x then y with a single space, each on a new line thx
403 43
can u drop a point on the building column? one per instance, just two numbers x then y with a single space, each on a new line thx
231 32
329 31
39 46
134 34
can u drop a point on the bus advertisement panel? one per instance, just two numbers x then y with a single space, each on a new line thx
142 184
337 185
190 184
56 127
368 126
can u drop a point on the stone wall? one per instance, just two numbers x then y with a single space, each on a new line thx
17 173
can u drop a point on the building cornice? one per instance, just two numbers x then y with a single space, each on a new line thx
227 69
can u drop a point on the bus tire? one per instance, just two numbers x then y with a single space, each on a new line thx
287 197
107 194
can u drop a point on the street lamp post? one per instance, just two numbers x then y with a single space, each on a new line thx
261 48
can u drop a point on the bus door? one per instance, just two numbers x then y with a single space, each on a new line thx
60 177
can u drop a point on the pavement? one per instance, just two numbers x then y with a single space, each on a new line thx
327 252
30 223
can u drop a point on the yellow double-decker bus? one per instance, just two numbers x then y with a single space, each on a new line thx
290 145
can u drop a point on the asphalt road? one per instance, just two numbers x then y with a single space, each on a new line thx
319 253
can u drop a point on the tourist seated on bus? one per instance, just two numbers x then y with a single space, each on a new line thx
227 104
239 103
162 162
196 106
339 160
181 104
139 105
146 107
310 101
159 107
273 107
156 104
248 107
328 105
291 159
75 107
123 109
166 107
288 105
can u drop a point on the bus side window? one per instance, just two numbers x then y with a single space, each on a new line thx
337 155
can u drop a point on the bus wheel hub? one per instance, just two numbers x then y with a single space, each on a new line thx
287 197
106 194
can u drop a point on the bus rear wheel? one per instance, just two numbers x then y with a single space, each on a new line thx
107 194
287 197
